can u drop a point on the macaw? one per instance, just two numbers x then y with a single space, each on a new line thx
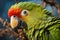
41 24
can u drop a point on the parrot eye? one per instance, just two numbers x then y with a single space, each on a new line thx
24 12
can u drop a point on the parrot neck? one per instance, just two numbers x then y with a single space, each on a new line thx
33 22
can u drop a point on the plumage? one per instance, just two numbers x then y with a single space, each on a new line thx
41 24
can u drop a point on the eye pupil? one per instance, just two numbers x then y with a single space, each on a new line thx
25 12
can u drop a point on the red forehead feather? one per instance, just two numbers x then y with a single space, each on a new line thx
14 11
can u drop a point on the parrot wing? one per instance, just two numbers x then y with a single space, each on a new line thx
50 31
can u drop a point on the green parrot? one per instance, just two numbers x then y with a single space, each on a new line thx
41 24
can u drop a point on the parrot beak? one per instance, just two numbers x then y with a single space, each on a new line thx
15 22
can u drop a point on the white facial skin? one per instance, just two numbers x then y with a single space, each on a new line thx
13 21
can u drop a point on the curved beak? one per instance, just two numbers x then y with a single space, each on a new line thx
15 22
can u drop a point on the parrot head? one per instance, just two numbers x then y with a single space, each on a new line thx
15 17
26 11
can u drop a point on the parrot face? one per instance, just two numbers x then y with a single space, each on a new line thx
15 14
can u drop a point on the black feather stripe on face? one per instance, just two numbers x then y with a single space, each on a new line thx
21 24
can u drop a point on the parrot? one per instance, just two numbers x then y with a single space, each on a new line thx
41 24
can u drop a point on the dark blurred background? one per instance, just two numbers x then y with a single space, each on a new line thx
5 5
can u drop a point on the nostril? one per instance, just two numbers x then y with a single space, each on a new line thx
14 16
